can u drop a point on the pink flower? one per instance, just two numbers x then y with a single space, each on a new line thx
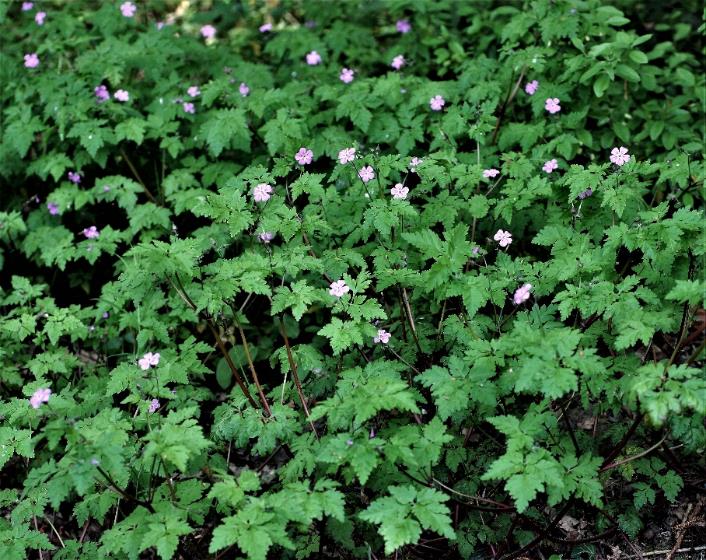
39 17
304 156
366 174
490 173
504 238
121 95
619 156
346 75
53 208
128 9
266 236
398 62
339 288
27 6
208 32
102 93
382 337
522 294
313 58
154 404
437 103
265 27
91 232
346 155
399 191
31 60
550 166
262 192
414 163
403 26
244 89
148 360
159 25
193 91
531 87
74 177
552 105
189 108
40 396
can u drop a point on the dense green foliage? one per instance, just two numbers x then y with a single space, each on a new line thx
438 405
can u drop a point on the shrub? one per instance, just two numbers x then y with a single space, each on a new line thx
378 277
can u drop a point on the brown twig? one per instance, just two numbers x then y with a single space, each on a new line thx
248 357
137 176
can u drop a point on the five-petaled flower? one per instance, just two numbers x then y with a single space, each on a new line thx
208 31
366 174
550 166
154 405
383 337
403 26
399 191
53 208
74 177
313 58
148 360
40 396
121 95
31 60
304 156
398 62
102 93
244 89
346 75
346 155
266 236
504 238
189 107
39 17
619 156
193 91
522 294
262 192
339 288
531 87
27 6
91 232
437 103
265 27
490 173
128 9
552 105
414 164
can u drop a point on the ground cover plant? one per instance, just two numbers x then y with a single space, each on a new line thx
397 278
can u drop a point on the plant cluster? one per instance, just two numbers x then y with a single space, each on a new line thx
347 279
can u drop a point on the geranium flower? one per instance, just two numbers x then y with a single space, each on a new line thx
522 294
154 405
53 208
504 238
121 95
313 58
31 60
148 360
189 107
265 27
366 174
552 105
102 93
346 75
531 87
398 62
403 26
585 194
550 166
208 31
490 173
74 177
399 191
27 6
414 163
128 9
91 232
266 236
304 156
262 192
40 396
383 337
619 156
193 91
39 17
339 288
437 103
346 155
244 89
